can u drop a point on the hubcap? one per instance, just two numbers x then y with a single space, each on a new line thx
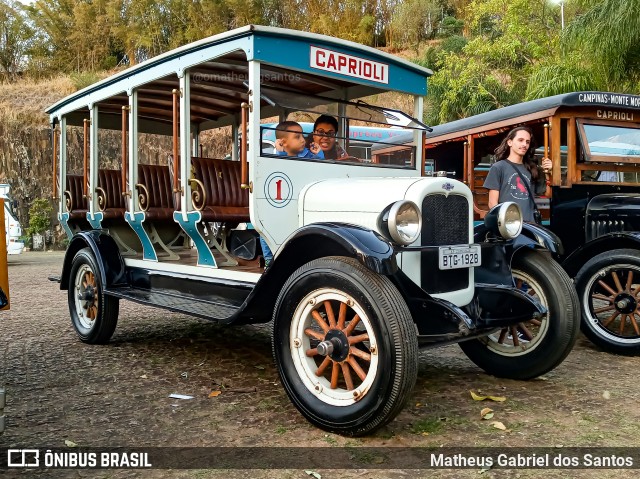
86 296
333 347
612 302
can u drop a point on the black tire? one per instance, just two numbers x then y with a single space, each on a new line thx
389 373
609 288
530 349
95 315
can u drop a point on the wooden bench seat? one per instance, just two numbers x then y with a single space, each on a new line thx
111 203
155 192
76 204
216 191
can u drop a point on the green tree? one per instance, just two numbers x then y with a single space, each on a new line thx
39 216
492 70
414 21
15 37
600 51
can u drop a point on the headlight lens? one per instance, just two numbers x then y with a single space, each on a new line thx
405 222
505 220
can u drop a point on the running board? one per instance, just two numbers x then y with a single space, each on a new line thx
193 306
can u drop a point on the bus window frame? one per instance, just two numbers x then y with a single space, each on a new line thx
591 158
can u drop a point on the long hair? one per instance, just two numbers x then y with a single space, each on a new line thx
331 154
503 151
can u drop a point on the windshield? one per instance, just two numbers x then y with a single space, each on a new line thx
317 128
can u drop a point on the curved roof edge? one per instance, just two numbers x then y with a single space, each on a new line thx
233 34
588 98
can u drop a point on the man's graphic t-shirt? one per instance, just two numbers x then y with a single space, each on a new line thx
503 177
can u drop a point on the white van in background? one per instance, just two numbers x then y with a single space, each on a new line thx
12 226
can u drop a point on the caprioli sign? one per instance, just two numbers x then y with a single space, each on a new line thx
349 65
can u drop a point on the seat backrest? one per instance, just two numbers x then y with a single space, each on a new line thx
221 180
74 187
157 180
111 182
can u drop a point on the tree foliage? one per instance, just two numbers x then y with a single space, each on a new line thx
15 37
485 53
492 69
39 216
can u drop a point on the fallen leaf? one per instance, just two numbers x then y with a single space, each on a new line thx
70 443
477 397
485 412
606 395
425 433
314 474
499 425
144 376
213 394
418 404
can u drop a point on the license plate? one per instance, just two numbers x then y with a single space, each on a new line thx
453 257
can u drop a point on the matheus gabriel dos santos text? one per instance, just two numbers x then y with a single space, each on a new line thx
531 461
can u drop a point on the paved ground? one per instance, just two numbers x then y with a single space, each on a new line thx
60 389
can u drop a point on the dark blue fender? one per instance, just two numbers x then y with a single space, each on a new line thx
314 241
496 261
105 251
322 239
607 242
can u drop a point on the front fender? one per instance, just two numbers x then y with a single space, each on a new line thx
542 237
497 258
323 239
105 251
611 241
318 240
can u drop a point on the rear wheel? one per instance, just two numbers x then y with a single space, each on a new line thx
609 289
94 316
529 349
345 346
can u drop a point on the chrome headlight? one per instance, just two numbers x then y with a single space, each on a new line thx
401 222
505 220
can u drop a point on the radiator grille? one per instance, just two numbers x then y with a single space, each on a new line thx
445 221
599 228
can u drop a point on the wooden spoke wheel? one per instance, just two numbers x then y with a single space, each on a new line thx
94 315
335 350
531 348
522 337
609 290
345 345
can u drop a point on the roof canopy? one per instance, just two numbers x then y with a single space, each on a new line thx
290 61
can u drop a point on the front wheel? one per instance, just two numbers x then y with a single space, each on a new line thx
609 289
345 346
532 348
93 314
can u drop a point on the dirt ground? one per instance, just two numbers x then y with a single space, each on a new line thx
60 389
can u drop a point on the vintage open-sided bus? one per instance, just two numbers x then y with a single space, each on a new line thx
371 262
593 139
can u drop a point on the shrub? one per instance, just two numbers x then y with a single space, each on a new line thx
39 216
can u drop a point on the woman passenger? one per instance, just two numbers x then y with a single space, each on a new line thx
323 138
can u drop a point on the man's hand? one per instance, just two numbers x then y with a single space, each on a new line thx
547 165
